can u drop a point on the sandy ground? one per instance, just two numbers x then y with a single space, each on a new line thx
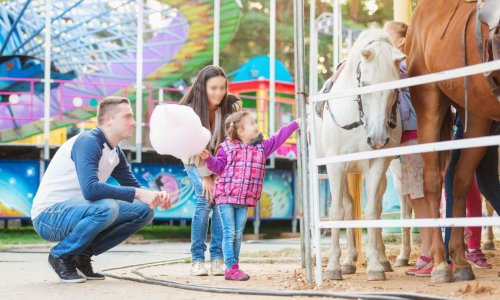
289 276
26 275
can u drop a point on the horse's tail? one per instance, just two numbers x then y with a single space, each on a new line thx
445 135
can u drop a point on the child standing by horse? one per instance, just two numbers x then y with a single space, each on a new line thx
412 166
240 164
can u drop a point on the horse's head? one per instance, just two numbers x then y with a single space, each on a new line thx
378 62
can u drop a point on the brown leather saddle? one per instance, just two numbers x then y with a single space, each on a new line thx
488 12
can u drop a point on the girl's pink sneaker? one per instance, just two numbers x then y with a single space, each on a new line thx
414 270
477 259
234 273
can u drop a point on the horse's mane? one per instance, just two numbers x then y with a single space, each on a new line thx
380 60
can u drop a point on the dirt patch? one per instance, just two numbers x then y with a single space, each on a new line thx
476 289
289 276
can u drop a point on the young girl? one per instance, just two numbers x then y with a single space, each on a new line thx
412 166
209 99
240 164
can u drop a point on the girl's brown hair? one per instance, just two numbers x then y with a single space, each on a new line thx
399 27
233 123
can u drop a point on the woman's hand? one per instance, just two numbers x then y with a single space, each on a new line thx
205 154
208 188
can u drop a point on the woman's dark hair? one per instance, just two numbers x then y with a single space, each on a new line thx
197 99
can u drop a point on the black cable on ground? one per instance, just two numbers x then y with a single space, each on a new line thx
256 292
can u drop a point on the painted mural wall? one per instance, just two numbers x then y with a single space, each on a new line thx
19 181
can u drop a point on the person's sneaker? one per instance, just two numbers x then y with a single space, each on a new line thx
198 269
412 271
83 264
477 259
65 269
217 267
424 271
235 274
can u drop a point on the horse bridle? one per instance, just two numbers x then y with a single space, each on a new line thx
392 123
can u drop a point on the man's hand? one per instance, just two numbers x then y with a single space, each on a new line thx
164 200
147 197
205 154
298 121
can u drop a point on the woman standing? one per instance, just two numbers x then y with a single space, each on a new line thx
209 99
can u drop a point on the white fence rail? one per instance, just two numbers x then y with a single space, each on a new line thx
314 162
418 80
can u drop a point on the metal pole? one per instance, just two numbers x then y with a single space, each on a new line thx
300 88
138 81
336 33
298 183
295 190
256 221
160 96
402 10
216 32
340 33
314 196
313 49
46 92
272 73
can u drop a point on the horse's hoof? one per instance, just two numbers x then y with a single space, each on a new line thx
376 275
333 274
348 269
441 274
387 266
463 273
489 246
402 263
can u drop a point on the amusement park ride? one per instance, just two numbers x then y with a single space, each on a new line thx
93 54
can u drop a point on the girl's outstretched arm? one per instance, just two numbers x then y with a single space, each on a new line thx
279 138
215 164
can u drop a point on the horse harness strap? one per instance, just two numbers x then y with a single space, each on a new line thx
361 122
464 60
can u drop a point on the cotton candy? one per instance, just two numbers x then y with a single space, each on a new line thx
176 130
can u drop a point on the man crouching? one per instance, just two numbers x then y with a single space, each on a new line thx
75 206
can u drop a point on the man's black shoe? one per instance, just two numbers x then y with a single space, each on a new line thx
65 269
83 264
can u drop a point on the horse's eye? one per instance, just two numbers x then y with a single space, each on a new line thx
364 83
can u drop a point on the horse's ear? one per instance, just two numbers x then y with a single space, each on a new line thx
367 54
397 56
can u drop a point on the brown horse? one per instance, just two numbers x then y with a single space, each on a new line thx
434 43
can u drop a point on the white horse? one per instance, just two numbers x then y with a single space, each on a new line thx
361 123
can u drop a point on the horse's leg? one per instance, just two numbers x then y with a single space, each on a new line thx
463 177
337 181
349 262
490 237
404 252
431 107
382 258
373 177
